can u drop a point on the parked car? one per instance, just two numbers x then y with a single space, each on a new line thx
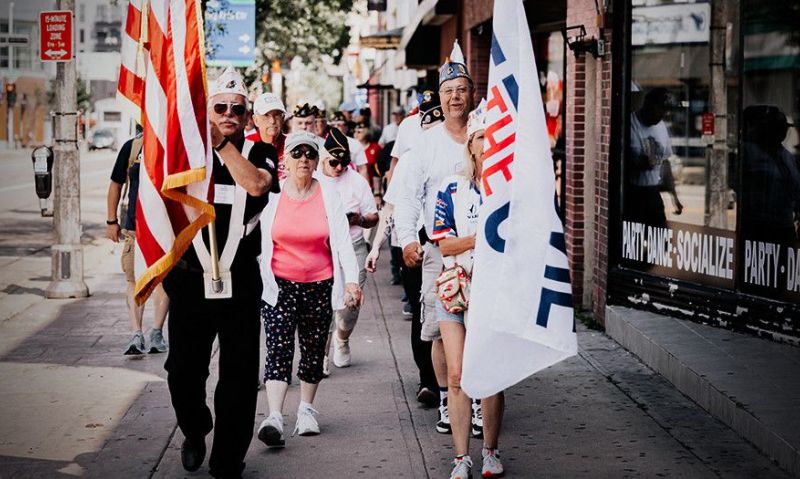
103 138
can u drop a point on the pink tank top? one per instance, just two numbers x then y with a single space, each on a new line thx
301 251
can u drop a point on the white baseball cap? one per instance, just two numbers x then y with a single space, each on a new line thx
267 102
293 140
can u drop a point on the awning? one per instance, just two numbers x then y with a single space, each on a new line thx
429 12
388 40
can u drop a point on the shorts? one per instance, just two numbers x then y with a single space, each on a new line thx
345 319
431 269
444 315
127 255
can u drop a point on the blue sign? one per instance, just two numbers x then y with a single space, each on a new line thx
230 32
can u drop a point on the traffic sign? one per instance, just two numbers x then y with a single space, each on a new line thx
56 36
232 27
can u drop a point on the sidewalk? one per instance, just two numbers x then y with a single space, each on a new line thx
71 404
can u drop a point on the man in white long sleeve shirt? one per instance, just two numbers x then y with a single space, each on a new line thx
438 153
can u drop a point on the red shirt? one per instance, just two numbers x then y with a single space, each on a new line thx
373 151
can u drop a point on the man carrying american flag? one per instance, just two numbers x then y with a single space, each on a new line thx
198 168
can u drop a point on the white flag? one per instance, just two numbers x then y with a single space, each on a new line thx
520 314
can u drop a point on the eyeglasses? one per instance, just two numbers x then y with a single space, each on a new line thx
236 108
336 163
309 153
462 90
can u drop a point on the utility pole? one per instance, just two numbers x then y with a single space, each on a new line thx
67 253
10 117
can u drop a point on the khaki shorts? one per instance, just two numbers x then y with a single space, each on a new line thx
431 269
345 319
127 255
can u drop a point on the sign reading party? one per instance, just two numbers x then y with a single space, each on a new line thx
55 29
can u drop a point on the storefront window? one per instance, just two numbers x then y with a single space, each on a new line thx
711 178
770 182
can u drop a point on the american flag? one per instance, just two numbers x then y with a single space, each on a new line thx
162 81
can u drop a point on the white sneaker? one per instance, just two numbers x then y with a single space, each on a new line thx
462 468
306 424
477 419
443 426
326 366
341 351
492 467
271 432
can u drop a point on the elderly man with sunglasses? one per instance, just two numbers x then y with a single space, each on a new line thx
243 175
359 203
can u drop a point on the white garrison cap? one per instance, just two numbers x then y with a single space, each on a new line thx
230 81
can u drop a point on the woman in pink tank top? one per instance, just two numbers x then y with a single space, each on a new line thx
300 258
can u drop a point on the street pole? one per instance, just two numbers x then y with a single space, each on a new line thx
67 253
10 117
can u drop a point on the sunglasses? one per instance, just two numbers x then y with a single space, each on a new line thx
336 163
310 154
236 108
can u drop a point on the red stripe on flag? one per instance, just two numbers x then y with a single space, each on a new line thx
194 65
151 251
131 86
133 24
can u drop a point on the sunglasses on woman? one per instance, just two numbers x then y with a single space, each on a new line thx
309 153
236 108
336 163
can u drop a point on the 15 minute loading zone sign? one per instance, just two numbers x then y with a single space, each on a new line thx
55 28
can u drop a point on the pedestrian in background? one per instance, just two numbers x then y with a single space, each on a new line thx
427 391
372 151
309 270
454 230
125 182
268 115
361 213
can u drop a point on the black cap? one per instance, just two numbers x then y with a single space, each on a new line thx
336 145
338 116
430 109
304 110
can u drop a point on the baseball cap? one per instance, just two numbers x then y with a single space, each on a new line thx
267 102
293 140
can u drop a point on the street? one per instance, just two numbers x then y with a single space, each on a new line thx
72 405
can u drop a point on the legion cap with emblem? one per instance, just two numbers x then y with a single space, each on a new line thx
230 81
293 140
304 109
430 108
454 66
267 102
338 116
336 145
320 110
477 118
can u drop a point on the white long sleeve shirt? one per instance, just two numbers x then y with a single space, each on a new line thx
433 158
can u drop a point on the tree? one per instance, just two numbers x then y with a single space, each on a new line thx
84 96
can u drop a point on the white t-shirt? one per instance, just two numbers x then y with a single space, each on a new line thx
652 141
434 157
388 134
407 132
393 192
355 193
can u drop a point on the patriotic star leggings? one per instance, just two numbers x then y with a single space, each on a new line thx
305 307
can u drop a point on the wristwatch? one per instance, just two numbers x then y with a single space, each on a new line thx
112 222
222 144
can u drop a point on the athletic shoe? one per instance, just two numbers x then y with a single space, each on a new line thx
407 312
427 397
135 345
326 366
271 432
341 352
462 468
443 426
477 419
492 467
157 342
306 424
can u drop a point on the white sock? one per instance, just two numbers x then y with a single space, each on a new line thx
304 406
442 395
277 416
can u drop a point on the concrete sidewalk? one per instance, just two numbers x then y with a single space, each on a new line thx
71 405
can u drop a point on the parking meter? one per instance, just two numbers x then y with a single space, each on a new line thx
42 158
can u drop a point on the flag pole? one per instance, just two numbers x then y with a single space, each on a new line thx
216 281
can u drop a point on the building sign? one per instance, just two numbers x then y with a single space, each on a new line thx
55 29
770 269
682 251
708 124
668 24
230 32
